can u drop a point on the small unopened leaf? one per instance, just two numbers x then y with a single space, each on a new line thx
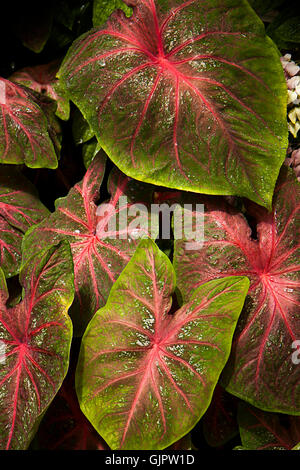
102 9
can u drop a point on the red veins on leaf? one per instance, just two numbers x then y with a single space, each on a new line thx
219 422
20 208
42 79
35 337
175 82
267 431
144 376
24 129
98 260
260 369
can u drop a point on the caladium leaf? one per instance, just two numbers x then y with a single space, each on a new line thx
260 430
144 376
219 422
98 258
196 85
20 208
24 134
264 6
260 370
42 79
36 335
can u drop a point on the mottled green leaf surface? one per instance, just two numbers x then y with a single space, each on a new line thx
24 136
189 95
35 340
146 376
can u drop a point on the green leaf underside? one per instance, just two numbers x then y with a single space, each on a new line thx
35 336
145 377
186 95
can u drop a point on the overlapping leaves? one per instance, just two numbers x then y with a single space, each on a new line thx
24 136
42 79
20 208
145 377
35 340
261 430
260 369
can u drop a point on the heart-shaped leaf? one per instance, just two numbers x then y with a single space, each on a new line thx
188 95
35 336
261 369
98 258
260 430
24 134
20 208
42 79
145 377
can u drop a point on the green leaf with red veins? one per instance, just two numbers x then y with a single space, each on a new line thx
35 336
189 95
20 208
24 134
98 257
145 377
42 79
260 430
260 369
